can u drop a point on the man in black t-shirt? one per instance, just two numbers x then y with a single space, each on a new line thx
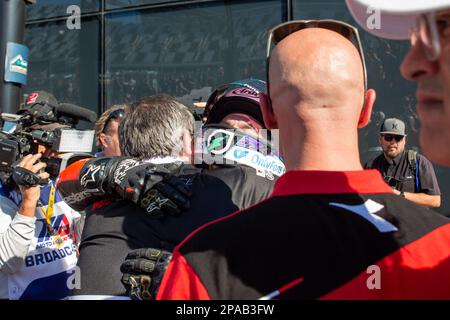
409 174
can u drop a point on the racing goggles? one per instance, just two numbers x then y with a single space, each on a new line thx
428 30
278 33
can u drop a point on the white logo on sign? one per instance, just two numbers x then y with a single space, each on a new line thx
19 65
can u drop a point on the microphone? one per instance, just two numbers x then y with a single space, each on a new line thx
76 112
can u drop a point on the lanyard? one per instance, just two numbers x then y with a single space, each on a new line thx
49 213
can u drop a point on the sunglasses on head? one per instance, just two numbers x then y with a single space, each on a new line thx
116 114
278 33
389 137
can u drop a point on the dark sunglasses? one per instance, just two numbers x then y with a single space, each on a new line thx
283 30
389 137
116 114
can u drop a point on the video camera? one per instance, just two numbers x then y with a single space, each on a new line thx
47 123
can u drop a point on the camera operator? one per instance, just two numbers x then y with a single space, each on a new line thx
17 225
38 244
38 230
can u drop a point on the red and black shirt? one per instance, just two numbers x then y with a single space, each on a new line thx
321 235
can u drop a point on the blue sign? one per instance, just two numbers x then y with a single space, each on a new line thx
16 64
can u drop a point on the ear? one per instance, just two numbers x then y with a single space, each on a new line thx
269 117
366 111
103 140
188 145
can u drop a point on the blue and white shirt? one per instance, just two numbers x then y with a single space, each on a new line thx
47 269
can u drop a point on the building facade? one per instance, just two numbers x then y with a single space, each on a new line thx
122 50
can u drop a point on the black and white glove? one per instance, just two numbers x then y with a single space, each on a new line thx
143 271
153 187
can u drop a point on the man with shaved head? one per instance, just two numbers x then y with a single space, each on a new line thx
330 230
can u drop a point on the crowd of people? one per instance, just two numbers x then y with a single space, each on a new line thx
265 199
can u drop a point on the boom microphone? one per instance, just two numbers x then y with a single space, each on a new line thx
76 112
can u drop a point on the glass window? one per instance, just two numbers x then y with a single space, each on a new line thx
395 95
113 4
185 52
55 8
65 62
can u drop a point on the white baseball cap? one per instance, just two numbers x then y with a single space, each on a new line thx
397 17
